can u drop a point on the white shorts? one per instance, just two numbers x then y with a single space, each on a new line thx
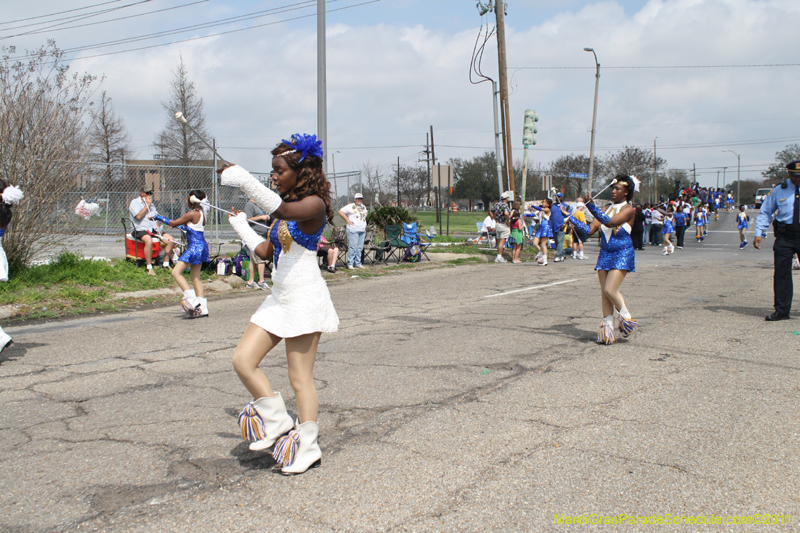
503 231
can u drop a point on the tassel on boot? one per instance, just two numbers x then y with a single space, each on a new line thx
627 324
606 334
190 301
298 451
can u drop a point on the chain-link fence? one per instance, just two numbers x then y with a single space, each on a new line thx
113 187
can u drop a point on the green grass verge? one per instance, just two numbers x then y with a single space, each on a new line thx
461 222
72 285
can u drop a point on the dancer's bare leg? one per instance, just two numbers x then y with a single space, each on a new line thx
252 347
194 273
301 352
611 295
177 275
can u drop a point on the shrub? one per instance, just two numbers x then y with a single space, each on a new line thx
388 215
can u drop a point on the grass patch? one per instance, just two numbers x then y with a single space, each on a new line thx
72 285
461 222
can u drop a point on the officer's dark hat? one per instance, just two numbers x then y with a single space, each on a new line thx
793 167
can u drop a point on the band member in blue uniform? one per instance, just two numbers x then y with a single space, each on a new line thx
782 208
616 256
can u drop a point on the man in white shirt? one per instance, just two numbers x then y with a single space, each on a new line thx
489 229
355 214
141 212
656 227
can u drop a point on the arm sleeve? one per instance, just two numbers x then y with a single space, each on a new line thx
764 218
250 238
537 207
161 219
264 198
596 213
581 228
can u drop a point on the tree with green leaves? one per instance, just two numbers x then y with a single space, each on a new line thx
777 172
476 178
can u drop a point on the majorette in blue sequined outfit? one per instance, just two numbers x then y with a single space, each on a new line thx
196 248
616 246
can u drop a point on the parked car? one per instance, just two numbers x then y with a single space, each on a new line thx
760 195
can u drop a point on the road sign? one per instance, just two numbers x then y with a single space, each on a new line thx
578 175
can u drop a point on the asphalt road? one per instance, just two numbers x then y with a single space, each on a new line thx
469 398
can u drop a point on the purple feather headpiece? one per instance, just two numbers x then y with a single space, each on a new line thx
305 145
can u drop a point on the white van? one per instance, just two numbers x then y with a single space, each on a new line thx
760 195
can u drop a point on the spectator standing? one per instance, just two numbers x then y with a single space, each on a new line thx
577 241
142 211
355 214
648 222
259 222
516 231
501 214
656 226
637 229
681 219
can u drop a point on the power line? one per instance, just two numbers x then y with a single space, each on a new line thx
60 12
19 58
660 67
48 30
73 18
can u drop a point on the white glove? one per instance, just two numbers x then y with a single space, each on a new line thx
250 238
264 198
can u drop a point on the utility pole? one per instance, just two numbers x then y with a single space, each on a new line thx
501 65
438 204
655 171
322 95
398 181
428 161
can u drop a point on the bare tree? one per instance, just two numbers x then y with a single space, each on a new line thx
176 141
109 139
374 188
43 145
413 183
632 161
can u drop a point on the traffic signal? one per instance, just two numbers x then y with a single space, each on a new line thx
529 128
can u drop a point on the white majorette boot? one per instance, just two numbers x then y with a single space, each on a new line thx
5 340
627 324
274 419
606 333
201 310
298 451
190 301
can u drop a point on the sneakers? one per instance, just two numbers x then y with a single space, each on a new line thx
671 248
741 245
331 269
263 285
701 238
680 247
253 285
665 252
558 259
350 267
499 259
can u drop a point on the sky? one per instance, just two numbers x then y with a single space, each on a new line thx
695 77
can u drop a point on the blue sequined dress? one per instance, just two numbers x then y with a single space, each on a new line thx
196 248
616 246
196 252
300 302
668 227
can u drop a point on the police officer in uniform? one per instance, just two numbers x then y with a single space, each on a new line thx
784 203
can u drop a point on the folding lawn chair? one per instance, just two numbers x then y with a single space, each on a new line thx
411 237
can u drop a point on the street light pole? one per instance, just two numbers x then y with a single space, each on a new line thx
322 83
594 115
738 176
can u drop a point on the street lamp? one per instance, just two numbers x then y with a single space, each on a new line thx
333 164
594 115
738 176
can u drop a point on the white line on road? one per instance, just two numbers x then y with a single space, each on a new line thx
530 288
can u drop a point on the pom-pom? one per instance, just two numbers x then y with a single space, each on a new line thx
606 334
251 424
627 325
305 145
285 449
12 195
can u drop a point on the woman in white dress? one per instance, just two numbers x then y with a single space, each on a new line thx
9 195
299 309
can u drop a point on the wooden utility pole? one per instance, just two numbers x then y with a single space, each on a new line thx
433 163
501 65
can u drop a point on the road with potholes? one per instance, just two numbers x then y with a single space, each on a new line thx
468 398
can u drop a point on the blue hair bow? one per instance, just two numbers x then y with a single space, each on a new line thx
305 145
